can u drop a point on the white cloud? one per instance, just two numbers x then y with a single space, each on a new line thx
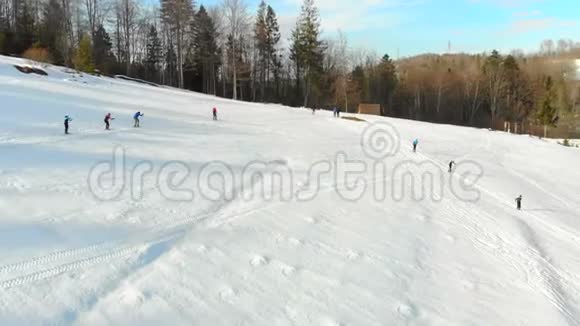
538 24
531 13
507 3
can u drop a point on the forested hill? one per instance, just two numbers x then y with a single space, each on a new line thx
234 51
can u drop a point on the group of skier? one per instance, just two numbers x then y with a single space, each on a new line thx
452 164
336 113
109 118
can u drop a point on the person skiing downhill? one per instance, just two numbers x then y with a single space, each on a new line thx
136 119
415 143
336 112
451 164
519 202
67 119
214 111
108 121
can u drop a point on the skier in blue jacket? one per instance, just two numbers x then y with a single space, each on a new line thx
67 119
415 143
136 118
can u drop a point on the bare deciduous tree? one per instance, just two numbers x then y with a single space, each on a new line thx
178 15
237 21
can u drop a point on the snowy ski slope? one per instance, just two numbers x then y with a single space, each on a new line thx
153 256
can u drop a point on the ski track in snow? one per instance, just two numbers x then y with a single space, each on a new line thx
84 257
534 261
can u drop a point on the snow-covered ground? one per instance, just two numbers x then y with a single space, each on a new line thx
306 253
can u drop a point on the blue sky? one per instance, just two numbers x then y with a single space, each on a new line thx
410 27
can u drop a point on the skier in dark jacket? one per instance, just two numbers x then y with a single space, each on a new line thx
67 119
214 111
108 121
136 117
519 202
451 164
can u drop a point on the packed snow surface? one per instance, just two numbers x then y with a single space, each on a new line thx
156 244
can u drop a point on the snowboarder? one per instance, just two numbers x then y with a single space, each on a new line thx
415 143
519 202
451 164
67 119
136 119
214 111
108 121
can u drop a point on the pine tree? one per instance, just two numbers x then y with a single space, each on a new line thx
547 113
296 55
273 64
24 26
177 14
154 53
103 50
170 65
207 52
83 60
52 31
3 43
261 38
307 50
385 83
518 93
360 79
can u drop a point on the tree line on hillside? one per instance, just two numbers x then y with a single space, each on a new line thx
482 90
227 51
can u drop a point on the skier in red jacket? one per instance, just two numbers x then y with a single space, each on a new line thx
214 113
